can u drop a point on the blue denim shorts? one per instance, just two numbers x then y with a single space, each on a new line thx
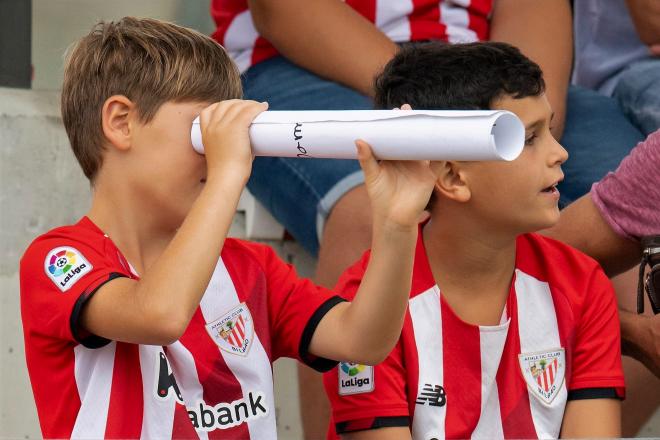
597 136
638 92
300 193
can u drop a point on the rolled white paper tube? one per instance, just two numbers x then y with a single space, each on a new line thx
392 134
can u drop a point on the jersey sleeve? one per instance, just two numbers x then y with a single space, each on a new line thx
596 365
365 397
57 276
295 308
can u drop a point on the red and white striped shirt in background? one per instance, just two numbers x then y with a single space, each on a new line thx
401 20
558 340
214 382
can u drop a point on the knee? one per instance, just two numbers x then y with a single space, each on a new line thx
350 218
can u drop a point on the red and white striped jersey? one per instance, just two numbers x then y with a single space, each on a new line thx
558 340
215 382
401 20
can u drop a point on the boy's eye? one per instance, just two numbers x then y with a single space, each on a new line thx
530 140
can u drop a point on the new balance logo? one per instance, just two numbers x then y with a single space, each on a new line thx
433 395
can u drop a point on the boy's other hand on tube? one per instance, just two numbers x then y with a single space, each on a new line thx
399 190
225 135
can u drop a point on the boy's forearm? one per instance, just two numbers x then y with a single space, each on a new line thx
326 37
398 191
198 242
157 309
640 339
542 30
378 310
592 418
615 253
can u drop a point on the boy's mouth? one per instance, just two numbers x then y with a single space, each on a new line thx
550 189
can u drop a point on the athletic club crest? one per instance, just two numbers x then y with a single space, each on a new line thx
544 372
234 331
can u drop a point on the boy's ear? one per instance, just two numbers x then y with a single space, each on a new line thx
116 117
451 182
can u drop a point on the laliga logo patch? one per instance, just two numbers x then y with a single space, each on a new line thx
355 378
233 332
65 266
544 372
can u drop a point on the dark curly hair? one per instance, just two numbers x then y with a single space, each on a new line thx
470 76
467 76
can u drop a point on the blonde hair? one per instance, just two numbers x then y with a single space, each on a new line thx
148 61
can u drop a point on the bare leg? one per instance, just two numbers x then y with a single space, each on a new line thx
346 236
642 387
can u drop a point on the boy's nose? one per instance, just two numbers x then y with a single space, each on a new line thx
559 154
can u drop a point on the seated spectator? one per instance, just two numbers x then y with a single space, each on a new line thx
607 224
143 319
509 334
617 53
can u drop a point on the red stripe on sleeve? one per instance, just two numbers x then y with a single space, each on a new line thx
262 50
366 8
479 11
224 12
425 21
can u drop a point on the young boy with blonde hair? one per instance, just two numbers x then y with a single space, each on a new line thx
508 334
143 319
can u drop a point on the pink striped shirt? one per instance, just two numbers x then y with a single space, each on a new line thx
629 198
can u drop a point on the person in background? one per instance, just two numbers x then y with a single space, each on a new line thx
509 334
608 224
617 53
